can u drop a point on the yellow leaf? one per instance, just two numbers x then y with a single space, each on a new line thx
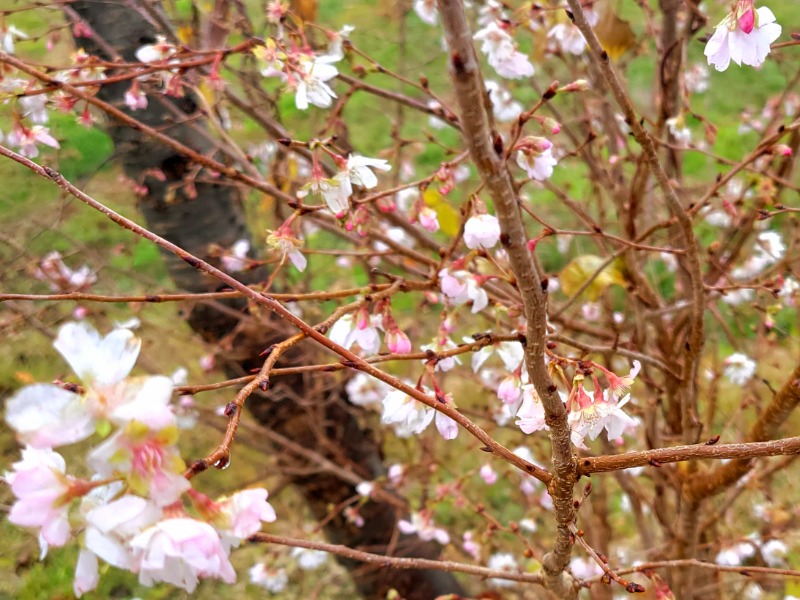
449 217
615 34
581 268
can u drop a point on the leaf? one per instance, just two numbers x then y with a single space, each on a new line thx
615 34
449 217
581 268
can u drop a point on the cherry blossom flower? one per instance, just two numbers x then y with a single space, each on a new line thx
511 353
408 416
510 389
696 77
135 98
358 171
426 10
460 287
481 231
589 416
502 561
240 516
422 524
311 86
34 108
109 529
743 36
470 546
442 343
679 130
502 54
335 47
271 579
585 568
159 51
535 157
361 330
364 390
488 474
530 416
504 107
309 559
60 277
26 139
42 489
289 246
148 460
568 37
9 34
739 368
428 218
445 425
236 259
180 551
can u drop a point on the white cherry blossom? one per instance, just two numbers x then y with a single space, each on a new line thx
739 368
744 36
311 86
481 231
502 53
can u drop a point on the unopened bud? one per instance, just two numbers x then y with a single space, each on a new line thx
579 85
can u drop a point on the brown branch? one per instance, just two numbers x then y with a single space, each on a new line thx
396 562
745 451
490 162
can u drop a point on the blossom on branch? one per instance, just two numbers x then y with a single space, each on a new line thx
744 36
502 53
481 231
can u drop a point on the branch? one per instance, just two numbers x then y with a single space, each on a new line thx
491 164
655 458
396 562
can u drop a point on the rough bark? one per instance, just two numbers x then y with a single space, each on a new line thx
311 411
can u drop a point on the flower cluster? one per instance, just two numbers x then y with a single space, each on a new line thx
131 508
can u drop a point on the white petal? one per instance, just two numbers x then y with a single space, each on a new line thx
45 416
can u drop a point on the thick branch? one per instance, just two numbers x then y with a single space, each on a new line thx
491 164
744 451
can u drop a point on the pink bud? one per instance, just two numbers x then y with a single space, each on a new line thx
398 342
782 150
747 19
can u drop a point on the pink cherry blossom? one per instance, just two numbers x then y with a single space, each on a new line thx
180 551
530 416
428 219
26 139
397 341
743 36
535 156
42 489
235 260
488 474
445 425
241 514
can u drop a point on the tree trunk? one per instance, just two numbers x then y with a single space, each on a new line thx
311 410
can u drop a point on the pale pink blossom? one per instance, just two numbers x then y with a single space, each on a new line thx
26 139
60 277
510 389
470 546
428 218
289 246
42 492
135 98
310 82
504 107
445 425
241 514
148 460
502 53
271 579
488 474
361 330
309 559
744 36
535 156
365 390
530 416
461 287
408 416
481 231
235 260
426 11
422 524
180 551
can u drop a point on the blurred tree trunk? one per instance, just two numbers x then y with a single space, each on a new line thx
310 410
